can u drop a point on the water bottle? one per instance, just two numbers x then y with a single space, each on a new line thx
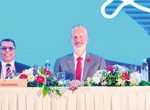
47 65
144 70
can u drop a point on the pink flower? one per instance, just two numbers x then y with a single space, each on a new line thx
23 76
125 75
48 72
74 84
89 60
110 68
40 79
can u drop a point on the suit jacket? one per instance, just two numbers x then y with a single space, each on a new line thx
148 62
66 64
18 66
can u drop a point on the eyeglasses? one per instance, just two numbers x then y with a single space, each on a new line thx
5 48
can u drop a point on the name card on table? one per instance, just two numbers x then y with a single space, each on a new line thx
13 83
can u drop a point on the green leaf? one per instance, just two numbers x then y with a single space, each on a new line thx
39 85
42 71
129 71
45 90
113 80
144 83
58 92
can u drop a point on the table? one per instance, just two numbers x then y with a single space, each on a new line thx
85 98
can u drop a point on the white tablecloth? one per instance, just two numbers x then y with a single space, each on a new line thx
85 98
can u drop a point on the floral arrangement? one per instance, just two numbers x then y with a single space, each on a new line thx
116 76
113 76
74 84
41 77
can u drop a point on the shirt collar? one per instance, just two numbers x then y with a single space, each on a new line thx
83 56
12 63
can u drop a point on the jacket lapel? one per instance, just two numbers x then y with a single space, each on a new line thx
70 62
86 66
16 67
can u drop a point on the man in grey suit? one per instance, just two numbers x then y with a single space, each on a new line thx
87 63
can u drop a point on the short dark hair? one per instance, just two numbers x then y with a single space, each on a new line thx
8 40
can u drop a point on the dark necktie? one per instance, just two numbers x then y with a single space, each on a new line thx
78 68
8 71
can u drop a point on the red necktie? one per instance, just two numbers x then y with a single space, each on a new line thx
78 68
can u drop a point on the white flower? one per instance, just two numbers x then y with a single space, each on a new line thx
102 77
104 83
60 82
120 68
31 78
28 71
120 81
96 80
97 74
135 78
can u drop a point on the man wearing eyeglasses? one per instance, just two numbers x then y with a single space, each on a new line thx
8 65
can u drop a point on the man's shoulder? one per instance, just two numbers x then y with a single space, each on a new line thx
22 65
148 60
68 56
92 55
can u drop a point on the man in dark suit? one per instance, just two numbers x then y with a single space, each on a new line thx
148 62
80 64
8 64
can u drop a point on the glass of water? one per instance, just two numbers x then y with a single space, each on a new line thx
61 76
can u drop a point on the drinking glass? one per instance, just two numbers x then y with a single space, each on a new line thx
61 76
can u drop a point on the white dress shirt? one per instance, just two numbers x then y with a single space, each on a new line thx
3 71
